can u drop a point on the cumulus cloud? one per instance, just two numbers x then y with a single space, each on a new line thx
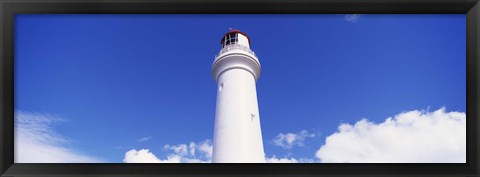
287 141
180 149
409 137
205 147
274 159
352 17
200 152
144 139
145 156
35 141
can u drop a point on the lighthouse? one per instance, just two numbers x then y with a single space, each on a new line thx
237 133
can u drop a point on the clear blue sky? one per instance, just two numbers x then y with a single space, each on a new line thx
118 78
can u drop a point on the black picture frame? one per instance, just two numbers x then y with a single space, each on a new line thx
8 9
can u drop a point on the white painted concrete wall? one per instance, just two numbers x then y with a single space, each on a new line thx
237 133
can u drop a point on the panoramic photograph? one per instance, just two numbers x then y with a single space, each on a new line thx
233 88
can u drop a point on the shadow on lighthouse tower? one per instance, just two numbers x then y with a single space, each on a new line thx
237 134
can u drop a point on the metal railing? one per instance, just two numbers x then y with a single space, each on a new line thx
234 47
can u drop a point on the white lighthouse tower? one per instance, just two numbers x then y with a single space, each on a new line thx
237 134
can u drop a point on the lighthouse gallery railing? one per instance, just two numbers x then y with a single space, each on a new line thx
234 47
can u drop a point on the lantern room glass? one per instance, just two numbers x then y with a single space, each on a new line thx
230 39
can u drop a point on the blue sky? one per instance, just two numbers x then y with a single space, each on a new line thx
115 79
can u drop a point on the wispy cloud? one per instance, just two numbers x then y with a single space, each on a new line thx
144 139
37 142
409 137
181 149
274 159
352 17
200 152
289 140
145 156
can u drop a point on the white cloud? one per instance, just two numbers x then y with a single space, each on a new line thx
287 141
180 149
144 139
200 152
409 137
274 159
352 17
206 148
191 148
36 142
145 156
